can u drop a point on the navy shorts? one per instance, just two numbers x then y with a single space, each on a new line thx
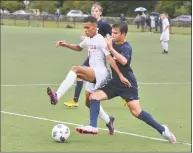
86 62
114 89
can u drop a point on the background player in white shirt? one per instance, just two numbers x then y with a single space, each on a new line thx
152 18
164 38
96 75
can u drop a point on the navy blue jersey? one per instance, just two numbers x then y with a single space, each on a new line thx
125 50
103 27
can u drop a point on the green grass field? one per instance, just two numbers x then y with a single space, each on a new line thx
29 56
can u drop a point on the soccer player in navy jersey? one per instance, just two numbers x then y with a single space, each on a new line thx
103 28
122 53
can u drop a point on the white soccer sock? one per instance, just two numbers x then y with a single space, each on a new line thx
163 45
166 46
66 84
103 115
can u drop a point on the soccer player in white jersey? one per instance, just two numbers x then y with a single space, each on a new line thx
96 75
164 38
103 28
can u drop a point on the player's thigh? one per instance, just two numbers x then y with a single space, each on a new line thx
107 92
84 72
129 94
86 63
131 97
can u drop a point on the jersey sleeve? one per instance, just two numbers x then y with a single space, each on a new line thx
84 43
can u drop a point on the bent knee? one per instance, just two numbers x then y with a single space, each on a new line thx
135 112
75 68
98 95
94 96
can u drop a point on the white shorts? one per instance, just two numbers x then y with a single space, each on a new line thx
165 36
102 75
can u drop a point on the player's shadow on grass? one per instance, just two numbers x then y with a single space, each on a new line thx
70 108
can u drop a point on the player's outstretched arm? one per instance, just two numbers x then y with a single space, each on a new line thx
70 46
115 67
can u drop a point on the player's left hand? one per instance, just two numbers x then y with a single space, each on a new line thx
125 81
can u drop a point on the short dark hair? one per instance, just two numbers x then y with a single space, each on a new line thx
90 19
122 26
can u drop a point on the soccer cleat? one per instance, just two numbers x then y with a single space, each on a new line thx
110 125
53 96
165 52
124 102
71 103
168 135
87 130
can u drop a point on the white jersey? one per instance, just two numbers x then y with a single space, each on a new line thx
165 23
97 60
96 50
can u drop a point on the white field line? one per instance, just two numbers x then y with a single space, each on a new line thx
150 83
69 123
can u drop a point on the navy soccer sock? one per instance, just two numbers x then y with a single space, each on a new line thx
147 118
94 112
78 89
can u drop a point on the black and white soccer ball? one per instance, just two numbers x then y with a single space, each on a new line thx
60 133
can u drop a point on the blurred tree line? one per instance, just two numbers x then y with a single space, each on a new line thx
111 8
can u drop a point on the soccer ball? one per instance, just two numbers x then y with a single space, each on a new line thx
60 133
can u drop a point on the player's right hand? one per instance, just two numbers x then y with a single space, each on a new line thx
59 43
125 81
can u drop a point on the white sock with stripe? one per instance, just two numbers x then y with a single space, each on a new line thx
66 84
